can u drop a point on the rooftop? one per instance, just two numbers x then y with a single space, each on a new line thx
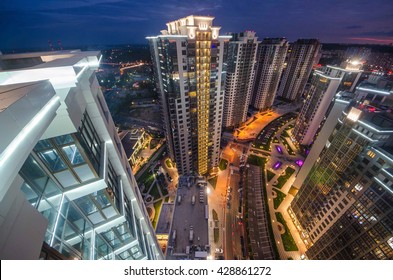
43 59
128 142
165 220
10 94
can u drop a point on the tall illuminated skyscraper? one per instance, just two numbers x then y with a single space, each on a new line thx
66 188
188 65
239 77
270 62
303 55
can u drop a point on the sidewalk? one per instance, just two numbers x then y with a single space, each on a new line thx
216 201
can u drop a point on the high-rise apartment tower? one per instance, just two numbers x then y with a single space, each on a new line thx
270 62
303 54
318 99
188 65
239 77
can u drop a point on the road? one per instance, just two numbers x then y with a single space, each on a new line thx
233 212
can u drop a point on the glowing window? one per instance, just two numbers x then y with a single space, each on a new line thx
371 154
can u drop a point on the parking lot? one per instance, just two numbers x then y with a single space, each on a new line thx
189 233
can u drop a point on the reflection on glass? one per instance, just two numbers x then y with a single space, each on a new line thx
51 189
64 139
43 144
66 178
54 162
103 249
30 194
126 237
50 214
86 205
102 199
73 154
125 255
34 173
84 172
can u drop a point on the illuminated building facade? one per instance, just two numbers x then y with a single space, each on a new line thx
304 53
66 185
241 57
318 98
188 65
270 63
344 209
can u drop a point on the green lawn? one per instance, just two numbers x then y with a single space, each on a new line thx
213 181
270 175
284 178
168 163
277 200
256 160
223 164
146 178
157 208
287 239
154 192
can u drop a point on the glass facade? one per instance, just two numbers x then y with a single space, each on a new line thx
345 205
63 158
69 162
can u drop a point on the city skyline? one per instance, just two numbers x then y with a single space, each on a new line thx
117 22
225 144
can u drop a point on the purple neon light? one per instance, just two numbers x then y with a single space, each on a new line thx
277 165
279 149
299 162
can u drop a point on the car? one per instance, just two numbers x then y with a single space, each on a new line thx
219 250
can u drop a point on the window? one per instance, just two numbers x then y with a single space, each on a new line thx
73 154
371 154
52 160
63 157
90 141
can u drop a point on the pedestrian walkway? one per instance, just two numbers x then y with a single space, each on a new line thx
216 202
287 161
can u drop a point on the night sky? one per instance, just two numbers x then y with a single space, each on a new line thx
31 23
